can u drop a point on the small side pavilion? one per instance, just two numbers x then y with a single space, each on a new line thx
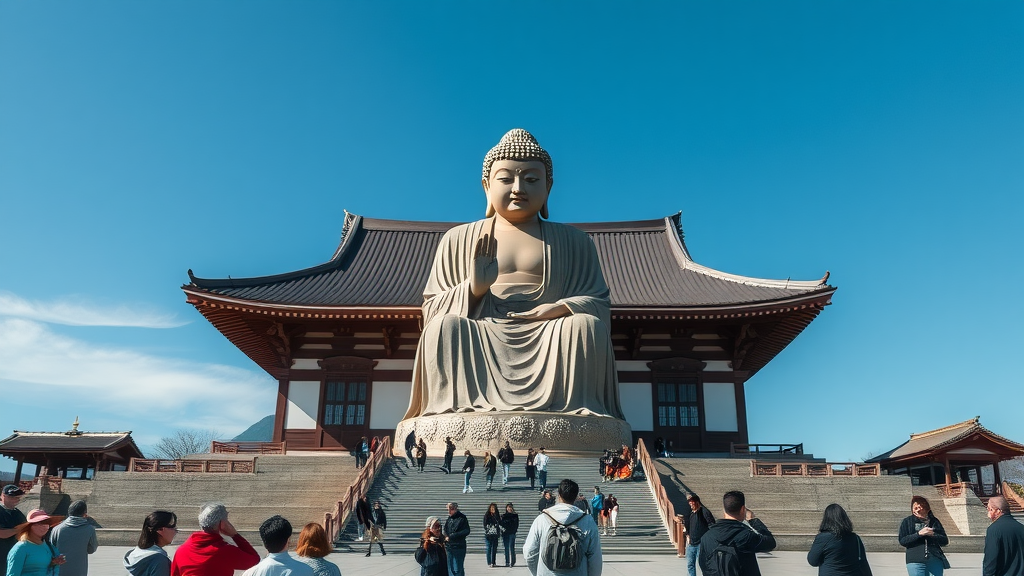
54 453
952 455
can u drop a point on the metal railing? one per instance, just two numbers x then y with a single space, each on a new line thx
813 469
248 447
335 521
673 522
748 449
247 466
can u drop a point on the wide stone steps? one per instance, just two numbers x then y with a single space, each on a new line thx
409 496
300 488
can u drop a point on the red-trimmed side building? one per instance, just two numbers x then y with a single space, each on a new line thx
340 337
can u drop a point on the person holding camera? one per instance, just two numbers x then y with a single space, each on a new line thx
430 555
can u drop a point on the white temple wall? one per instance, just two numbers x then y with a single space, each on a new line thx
303 405
390 401
635 398
720 407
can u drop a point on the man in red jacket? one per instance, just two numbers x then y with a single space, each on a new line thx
207 553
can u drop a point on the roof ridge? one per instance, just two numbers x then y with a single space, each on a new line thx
972 422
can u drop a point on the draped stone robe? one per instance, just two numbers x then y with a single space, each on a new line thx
477 359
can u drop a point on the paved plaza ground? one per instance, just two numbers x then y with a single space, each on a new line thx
107 562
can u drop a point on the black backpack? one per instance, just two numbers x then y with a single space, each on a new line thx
562 550
725 561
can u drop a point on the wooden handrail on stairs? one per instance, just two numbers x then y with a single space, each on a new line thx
335 521
673 522
1012 496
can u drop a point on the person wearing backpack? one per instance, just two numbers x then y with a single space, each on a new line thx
563 540
730 545
697 524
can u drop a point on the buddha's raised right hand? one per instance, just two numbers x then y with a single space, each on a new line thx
485 264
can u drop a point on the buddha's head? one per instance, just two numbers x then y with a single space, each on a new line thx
517 177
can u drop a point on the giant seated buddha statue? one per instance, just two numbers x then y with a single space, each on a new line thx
516 311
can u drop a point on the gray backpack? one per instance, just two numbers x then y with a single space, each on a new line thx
562 550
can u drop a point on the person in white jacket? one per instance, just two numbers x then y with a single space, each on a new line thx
564 512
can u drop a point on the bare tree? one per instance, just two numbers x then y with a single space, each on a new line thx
184 442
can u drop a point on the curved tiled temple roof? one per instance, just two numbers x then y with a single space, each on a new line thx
385 263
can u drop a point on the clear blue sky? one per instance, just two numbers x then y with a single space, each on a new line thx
883 141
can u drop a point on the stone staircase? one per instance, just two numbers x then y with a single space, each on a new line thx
792 506
299 487
409 496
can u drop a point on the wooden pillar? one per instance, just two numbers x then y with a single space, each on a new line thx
17 471
949 476
995 470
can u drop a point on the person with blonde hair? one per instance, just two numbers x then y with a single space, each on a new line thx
32 556
313 548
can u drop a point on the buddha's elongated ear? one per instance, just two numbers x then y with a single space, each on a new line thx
490 209
544 211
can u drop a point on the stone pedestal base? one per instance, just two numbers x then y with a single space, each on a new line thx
479 431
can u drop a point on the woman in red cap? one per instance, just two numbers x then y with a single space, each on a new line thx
31 556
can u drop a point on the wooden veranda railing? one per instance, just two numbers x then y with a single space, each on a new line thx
673 522
957 489
812 469
781 449
52 482
248 447
247 466
1015 499
335 521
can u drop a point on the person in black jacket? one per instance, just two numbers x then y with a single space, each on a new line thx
379 524
837 550
449 453
455 530
697 525
509 527
746 539
492 533
507 457
363 516
467 468
430 554
546 501
1004 541
923 536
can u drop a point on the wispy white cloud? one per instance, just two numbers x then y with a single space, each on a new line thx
57 377
77 312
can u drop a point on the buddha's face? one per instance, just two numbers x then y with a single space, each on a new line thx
517 190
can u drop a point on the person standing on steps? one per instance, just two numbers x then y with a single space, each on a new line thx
509 527
490 468
611 513
597 507
449 453
507 457
467 468
531 467
546 501
364 516
421 454
697 525
455 530
379 523
410 445
492 533
541 462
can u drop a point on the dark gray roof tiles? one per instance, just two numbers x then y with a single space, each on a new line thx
386 262
58 441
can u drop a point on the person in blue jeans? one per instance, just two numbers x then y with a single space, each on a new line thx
540 461
455 531
696 526
923 536
509 527
467 468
